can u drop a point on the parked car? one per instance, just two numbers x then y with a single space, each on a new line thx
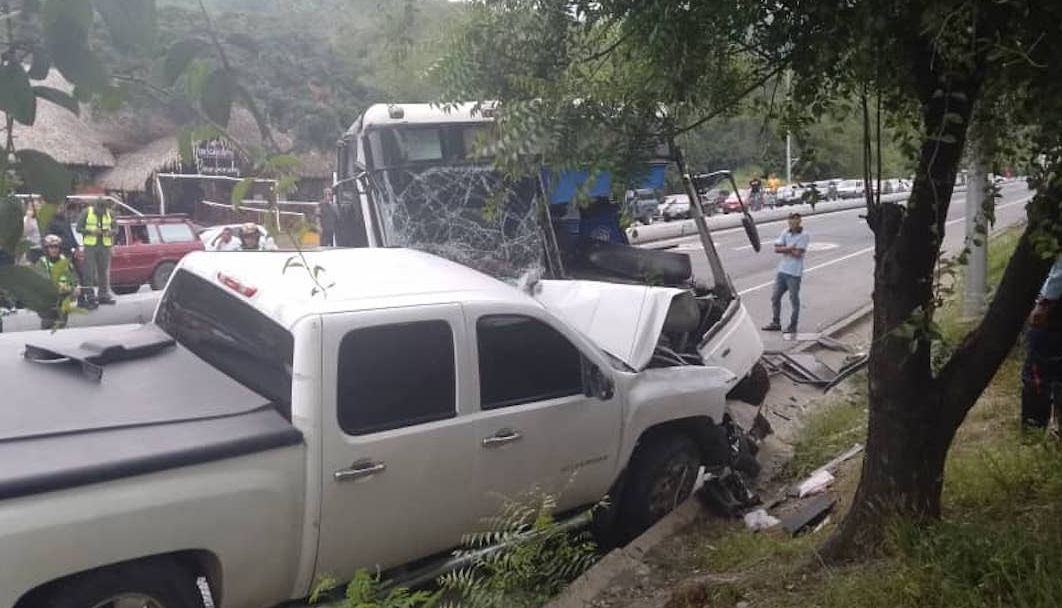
643 204
675 207
851 188
147 248
733 204
791 194
209 234
254 438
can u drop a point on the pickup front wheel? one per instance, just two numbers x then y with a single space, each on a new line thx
156 583
662 474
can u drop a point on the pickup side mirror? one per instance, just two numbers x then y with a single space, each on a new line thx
596 383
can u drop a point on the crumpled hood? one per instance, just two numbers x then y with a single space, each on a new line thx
623 320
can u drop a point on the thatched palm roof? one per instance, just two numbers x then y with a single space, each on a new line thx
133 169
58 132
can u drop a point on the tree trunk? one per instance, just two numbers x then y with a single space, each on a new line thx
903 465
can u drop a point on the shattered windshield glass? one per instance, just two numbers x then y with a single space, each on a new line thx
466 214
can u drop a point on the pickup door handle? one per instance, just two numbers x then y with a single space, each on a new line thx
502 437
360 470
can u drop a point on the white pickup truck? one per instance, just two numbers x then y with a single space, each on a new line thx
273 425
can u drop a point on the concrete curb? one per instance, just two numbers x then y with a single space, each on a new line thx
625 560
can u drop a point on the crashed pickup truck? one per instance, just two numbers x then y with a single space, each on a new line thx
274 424
416 176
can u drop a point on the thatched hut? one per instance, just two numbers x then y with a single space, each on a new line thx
67 137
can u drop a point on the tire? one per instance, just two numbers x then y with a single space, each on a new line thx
161 275
753 388
162 581
663 471
124 290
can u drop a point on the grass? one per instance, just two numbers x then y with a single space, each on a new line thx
998 545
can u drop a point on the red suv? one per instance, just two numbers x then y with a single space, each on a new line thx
147 249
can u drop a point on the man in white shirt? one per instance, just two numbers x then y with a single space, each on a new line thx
791 245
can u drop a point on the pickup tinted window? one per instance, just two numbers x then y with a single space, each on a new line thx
232 336
522 360
392 376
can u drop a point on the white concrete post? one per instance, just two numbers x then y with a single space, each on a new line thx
976 275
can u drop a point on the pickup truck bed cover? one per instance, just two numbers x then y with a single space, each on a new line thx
61 429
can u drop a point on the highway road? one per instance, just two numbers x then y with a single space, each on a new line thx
839 266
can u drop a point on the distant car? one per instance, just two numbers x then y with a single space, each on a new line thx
851 188
732 204
791 194
207 235
643 204
146 250
675 207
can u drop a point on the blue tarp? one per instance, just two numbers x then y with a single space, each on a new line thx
564 190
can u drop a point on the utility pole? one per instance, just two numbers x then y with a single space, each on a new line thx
976 275
788 134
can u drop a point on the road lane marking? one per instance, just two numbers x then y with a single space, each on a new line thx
866 250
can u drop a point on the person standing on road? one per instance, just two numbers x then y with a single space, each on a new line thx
31 233
328 217
791 245
1043 356
755 193
97 227
58 269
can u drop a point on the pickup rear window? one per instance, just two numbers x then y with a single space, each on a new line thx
230 335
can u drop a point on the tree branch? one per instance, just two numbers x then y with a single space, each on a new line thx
727 107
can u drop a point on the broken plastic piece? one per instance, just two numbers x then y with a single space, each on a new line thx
760 519
809 515
817 483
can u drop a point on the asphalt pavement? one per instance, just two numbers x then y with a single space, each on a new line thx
839 266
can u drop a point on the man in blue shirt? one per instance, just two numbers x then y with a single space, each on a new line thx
1043 356
791 245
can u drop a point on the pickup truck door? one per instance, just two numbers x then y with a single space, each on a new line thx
537 430
399 461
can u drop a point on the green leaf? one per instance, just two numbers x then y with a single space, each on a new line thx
287 184
59 269
82 67
16 94
240 190
45 213
184 145
292 262
30 287
10 224
44 175
66 27
42 63
132 23
216 101
59 98
179 55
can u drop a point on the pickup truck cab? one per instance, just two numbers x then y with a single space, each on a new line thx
273 425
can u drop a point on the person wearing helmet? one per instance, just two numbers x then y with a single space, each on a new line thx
252 239
58 268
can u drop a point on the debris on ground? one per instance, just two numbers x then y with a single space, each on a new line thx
817 483
809 514
760 520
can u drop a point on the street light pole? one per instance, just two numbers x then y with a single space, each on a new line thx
788 134
976 275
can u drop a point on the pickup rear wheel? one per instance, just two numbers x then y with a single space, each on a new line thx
161 275
663 471
156 583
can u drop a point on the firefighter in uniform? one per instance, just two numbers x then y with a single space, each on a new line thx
97 226
51 265
1042 374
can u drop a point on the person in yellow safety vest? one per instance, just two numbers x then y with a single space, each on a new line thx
58 268
97 227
